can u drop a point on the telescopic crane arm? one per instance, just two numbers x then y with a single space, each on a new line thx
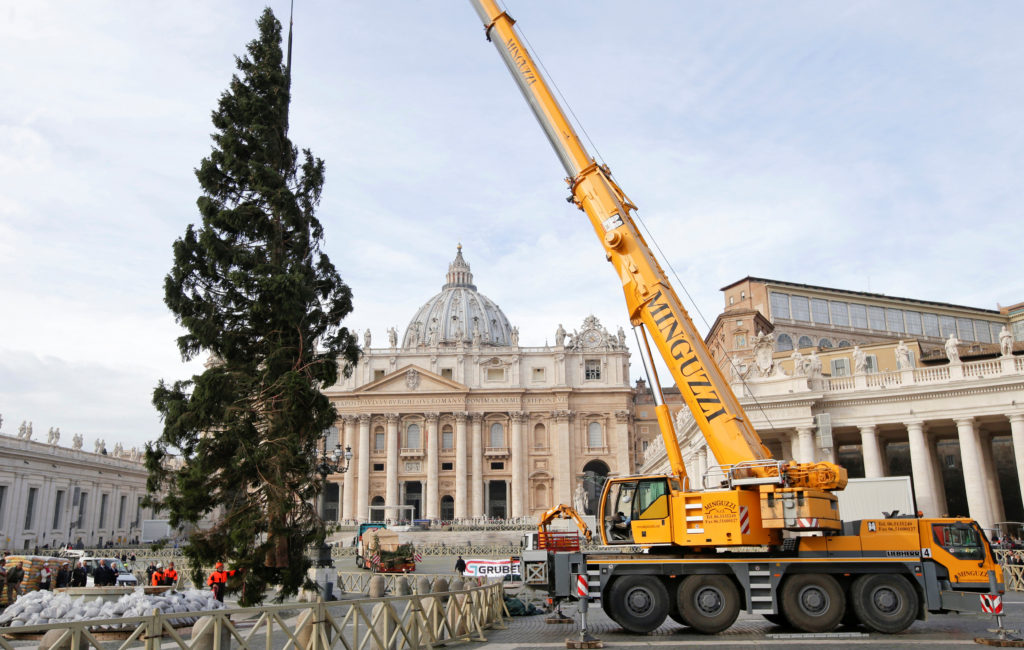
652 302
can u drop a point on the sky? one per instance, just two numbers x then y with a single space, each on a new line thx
862 145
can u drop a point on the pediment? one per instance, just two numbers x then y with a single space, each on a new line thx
412 379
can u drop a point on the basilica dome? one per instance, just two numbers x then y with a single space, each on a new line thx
458 313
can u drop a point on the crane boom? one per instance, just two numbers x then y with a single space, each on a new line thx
650 298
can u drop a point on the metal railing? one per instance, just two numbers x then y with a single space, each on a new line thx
398 622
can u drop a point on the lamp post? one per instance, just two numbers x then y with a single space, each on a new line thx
336 462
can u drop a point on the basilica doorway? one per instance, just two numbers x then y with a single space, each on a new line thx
595 473
497 499
414 498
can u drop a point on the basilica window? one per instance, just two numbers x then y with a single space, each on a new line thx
894 320
495 374
840 367
840 313
497 435
30 509
858 316
780 305
412 437
783 343
592 369
378 374
819 310
931 325
983 333
378 438
447 437
876 318
913 321
824 344
538 374
966 329
801 308
805 342
446 373
947 325
595 436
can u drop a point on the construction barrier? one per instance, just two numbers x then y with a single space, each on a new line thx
394 623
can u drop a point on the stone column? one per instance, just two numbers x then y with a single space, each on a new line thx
702 468
970 456
871 451
991 476
794 447
363 472
805 439
1017 434
348 496
433 505
519 482
940 486
565 479
621 444
461 498
391 491
479 504
921 466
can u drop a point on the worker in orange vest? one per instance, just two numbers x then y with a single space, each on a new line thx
158 575
170 575
218 580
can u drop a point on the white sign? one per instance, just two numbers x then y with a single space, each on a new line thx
491 568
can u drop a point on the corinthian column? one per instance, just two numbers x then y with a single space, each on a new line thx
922 469
363 475
433 502
478 465
805 436
391 495
348 508
519 483
871 451
1017 435
460 466
974 483
564 480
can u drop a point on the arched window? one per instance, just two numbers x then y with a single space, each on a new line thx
824 344
805 342
412 436
540 436
497 435
843 344
595 438
378 438
783 343
447 507
447 437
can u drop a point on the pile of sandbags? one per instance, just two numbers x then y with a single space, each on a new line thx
44 607
32 564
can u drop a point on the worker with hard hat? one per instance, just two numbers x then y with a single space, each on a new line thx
218 580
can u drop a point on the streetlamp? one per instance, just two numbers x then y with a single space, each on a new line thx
337 462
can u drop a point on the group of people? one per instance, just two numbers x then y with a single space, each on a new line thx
158 576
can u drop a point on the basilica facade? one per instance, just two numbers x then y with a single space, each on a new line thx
455 419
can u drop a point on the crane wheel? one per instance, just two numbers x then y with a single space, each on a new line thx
638 603
813 602
885 603
776 619
708 603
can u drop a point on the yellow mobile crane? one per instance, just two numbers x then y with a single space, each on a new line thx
707 553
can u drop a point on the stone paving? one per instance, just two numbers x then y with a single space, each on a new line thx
751 631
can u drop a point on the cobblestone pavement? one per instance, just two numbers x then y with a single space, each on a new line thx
752 631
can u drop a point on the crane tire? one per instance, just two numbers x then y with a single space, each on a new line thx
708 603
677 617
813 602
638 603
885 602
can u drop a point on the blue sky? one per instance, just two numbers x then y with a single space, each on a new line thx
861 145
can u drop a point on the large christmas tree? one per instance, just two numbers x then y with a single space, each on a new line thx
256 293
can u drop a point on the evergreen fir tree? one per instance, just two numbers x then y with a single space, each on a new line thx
254 290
